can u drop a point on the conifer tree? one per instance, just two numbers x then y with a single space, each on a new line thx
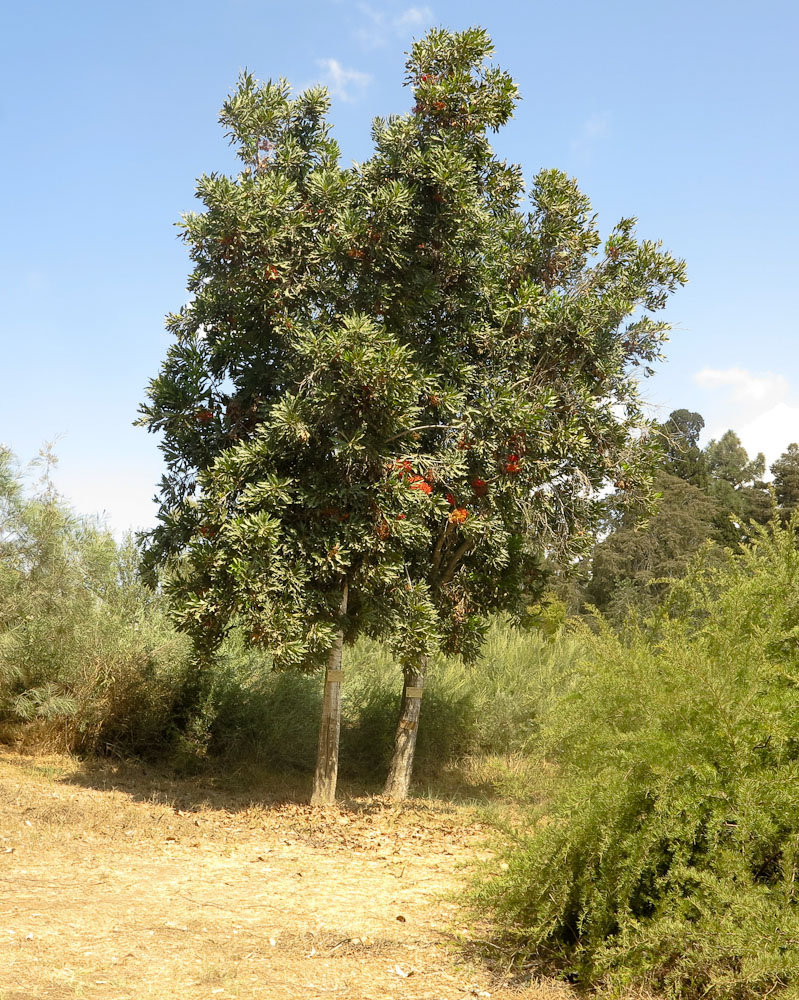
786 481
394 389
682 455
736 483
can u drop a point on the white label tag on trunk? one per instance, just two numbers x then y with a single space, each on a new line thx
334 676
413 692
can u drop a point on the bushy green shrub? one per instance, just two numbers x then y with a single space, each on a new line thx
88 658
488 707
667 855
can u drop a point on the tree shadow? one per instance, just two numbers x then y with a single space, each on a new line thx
239 786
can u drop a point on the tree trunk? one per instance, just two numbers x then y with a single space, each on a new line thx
399 775
326 774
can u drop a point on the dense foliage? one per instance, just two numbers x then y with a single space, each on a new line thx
393 388
88 657
89 662
711 495
390 372
668 851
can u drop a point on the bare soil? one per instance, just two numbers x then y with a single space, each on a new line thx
122 883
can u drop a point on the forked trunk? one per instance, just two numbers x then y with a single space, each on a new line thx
399 775
326 774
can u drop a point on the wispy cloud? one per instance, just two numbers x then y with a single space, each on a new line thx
346 84
379 26
591 133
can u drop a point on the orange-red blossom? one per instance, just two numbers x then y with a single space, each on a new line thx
420 483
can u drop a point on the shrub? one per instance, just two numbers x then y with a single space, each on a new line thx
88 658
490 707
668 854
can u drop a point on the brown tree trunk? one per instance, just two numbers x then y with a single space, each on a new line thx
399 775
326 774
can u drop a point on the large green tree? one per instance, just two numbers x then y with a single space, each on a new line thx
394 388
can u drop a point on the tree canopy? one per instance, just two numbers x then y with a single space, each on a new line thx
395 386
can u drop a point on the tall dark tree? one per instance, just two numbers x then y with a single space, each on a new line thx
786 481
633 565
393 389
683 457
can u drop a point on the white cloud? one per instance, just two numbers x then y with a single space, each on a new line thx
744 387
413 17
380 25
771 432
758 406
346 84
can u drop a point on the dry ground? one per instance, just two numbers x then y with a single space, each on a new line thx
121 884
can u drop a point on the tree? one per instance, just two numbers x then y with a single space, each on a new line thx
393 390
631 565
786 481
682 455
736 482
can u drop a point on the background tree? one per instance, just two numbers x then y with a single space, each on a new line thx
736 482
631 566
682 456
393 390
786 481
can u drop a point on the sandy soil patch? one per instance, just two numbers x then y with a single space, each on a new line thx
122 884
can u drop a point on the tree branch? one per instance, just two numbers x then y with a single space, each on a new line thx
439 547
452 565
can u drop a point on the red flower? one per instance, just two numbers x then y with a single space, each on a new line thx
458 516
480 487
450 498
204 416
419 483
271 273
400 517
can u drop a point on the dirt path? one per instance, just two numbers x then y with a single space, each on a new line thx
119 886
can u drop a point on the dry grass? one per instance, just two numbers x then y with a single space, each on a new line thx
118 883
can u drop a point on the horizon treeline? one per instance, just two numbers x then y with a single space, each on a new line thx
710 497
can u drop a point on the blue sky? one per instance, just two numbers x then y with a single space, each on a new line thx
681 113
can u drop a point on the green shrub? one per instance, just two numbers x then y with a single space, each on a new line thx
488 707
668 853
88 658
